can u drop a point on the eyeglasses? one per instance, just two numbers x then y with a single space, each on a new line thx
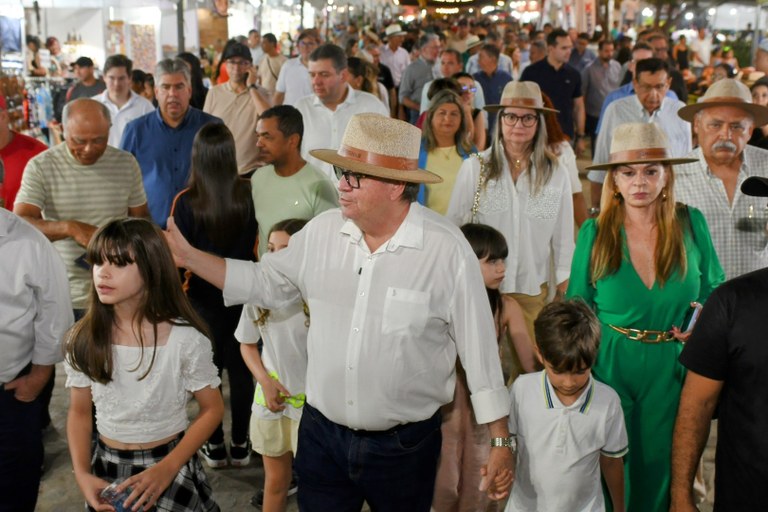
717 126
307 43
466 88
352 178
527 120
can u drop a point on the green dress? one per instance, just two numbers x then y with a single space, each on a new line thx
647 377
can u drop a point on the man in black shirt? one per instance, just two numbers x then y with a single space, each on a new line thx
726 359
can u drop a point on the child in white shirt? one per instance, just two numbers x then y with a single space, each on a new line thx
568 427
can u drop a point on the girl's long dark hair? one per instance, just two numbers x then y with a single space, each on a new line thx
123 242
487 242
220 201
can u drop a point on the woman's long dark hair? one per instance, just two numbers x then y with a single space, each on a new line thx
220 201
199 91
122 242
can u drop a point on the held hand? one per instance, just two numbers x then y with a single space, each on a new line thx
81 232
252 75
180 248
497 474
91 486
148 486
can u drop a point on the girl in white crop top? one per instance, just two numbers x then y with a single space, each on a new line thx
140 354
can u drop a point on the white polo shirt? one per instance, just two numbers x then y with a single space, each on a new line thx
294 81
324 128
559 447
136 106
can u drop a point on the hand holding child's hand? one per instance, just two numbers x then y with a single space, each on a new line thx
92 486
148 485
498 475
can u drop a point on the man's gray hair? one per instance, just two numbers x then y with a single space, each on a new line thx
426 38
174 66
80 101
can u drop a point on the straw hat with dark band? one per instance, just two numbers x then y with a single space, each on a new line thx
379 146
521 95
727 93
473 41
639 143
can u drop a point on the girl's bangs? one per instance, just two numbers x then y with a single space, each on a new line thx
112 245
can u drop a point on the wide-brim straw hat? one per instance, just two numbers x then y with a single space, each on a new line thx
521 95
394 30
727 93
473 41
755 186
639 143
379 146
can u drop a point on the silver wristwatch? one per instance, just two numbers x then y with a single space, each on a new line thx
506 442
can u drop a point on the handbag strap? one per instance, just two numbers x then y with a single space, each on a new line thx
480 183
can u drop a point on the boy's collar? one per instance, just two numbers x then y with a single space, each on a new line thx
582 403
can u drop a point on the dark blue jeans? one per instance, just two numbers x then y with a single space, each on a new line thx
21 452
339 468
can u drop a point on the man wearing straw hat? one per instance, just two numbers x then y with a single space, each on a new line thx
393 299
392 54
723 121
726 358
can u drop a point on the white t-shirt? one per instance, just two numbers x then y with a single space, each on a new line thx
293 81
285 350
559 447
130 410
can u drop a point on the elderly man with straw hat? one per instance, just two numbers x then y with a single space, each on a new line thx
723 121
641 264
394 298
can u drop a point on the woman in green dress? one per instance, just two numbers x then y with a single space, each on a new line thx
641 264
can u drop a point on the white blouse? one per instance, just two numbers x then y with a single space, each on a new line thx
130 410
538 228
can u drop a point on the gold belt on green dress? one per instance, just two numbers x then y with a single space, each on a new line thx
644 335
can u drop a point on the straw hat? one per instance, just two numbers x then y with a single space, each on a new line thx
394 30
638 143
473 41
727 93
755 186
379 146
521 95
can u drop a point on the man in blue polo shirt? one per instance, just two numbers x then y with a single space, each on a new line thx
161 141
562 83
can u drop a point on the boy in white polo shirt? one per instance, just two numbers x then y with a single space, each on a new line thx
568 427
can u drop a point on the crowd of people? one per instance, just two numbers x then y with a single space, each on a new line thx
384 243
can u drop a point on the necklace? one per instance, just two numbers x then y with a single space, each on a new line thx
446 152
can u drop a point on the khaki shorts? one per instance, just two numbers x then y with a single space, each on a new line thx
274 438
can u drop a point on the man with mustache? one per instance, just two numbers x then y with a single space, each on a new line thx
725 355
162 140
723 121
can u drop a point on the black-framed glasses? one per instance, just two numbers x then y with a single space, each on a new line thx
527 120
352 178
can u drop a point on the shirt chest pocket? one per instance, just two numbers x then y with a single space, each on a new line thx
405 312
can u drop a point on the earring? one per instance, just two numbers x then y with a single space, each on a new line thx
664 195
617 195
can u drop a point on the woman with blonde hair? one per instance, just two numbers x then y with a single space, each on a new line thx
520 187
444 147
642 265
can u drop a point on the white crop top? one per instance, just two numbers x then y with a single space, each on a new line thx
130 410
